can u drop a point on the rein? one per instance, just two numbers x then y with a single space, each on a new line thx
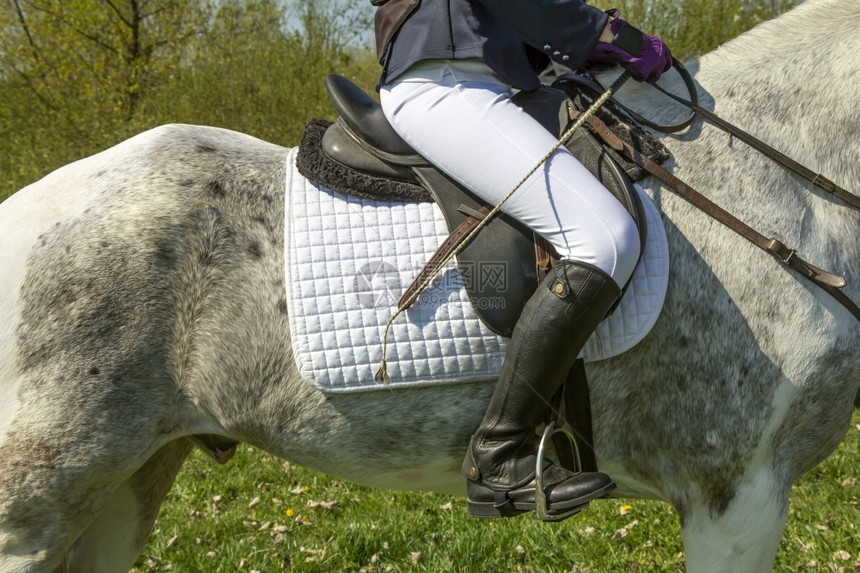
692 104
827 281
816 179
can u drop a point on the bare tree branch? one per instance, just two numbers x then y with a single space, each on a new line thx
118 12
75 28
26 29
34 89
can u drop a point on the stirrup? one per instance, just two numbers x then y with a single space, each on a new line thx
554 427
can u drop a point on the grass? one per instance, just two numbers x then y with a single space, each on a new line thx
259 513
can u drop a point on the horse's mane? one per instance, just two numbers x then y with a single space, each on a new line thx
804 26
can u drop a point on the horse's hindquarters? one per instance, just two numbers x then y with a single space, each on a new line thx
109 265
24 218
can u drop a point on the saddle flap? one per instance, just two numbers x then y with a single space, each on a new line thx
595 157
497 265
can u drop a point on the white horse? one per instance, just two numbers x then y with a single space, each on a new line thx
142 311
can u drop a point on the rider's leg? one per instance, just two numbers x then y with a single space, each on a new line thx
555 325
472 131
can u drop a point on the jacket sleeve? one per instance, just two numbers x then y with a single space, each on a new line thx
564 30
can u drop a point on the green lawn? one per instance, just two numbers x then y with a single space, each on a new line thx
259 513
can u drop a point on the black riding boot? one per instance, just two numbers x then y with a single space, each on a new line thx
554 326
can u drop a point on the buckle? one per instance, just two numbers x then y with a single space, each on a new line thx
778 249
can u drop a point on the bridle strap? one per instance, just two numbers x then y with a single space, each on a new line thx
692 104
816 179
828 281
596 88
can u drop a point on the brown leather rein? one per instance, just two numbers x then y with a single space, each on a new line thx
816 179
829 282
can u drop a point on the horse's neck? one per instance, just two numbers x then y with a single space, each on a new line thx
797 34
788 83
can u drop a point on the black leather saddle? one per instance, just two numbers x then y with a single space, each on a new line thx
501 266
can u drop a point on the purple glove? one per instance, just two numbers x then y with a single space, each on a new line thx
645 57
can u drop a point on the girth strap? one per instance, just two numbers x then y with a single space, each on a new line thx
829 282
441 256
545 254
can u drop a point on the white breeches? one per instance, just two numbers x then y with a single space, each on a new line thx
472 131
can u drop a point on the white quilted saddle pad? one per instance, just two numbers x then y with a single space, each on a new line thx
348 261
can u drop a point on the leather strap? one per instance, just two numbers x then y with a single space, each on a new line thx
829 282
441 254
504 505
545 256
571 404
596 89
816 179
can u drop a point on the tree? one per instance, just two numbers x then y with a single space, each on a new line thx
79 75
262 64
85 60
73 73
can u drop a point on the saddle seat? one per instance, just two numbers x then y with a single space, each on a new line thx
503 264
364 117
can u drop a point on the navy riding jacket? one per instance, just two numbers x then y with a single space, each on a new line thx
496 31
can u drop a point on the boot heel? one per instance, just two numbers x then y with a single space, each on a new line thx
482 510
489 510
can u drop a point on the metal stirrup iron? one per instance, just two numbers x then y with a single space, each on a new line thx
557 426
